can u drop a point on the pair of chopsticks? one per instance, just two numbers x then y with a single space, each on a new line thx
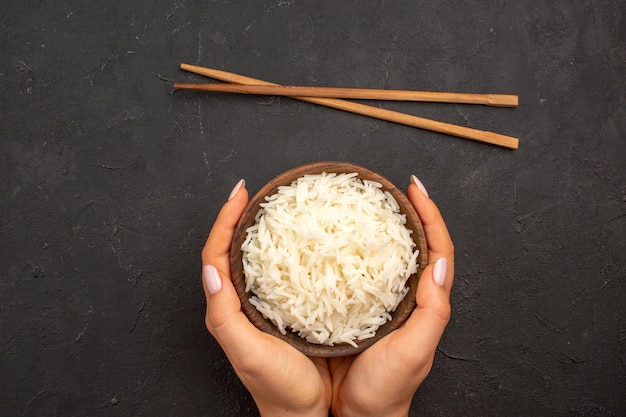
332 97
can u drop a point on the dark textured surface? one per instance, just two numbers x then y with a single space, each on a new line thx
110 184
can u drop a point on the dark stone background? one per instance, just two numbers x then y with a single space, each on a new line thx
110 183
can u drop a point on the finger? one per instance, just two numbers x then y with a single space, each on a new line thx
217 247
437 237
432 313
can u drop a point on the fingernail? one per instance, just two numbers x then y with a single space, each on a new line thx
233 193
419 185
212 279
439 271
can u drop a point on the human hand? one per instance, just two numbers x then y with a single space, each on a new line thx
282 381
382 380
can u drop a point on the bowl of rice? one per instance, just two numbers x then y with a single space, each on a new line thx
327 257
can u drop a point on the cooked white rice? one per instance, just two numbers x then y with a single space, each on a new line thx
329 257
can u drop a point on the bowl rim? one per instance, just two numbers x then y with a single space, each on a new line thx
404 309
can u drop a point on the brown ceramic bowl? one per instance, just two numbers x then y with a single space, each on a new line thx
247 219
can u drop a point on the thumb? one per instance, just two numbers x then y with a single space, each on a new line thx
433 299
223 304
422 331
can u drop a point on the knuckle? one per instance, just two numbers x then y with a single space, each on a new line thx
206 254
214 320
443 313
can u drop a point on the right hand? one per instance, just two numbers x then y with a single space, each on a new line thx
382 380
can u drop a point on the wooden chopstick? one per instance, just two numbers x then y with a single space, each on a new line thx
500 100
388 115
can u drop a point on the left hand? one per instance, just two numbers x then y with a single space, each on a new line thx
282 381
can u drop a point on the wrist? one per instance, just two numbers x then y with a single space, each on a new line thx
389 411
277 411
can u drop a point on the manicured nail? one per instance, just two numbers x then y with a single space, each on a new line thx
439 271
212 279
419 185
233 193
